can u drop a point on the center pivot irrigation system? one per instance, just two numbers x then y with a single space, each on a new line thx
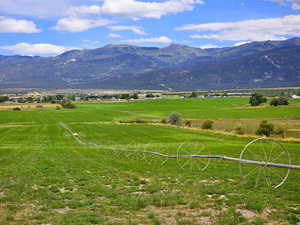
261 161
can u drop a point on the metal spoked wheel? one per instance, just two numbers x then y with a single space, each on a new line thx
268 152
188 149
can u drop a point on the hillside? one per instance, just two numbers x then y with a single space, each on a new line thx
178 67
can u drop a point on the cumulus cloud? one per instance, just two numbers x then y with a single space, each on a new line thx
134 29
137 9
36 49
73 24
295 3
247 30
9 25
112 35
161 39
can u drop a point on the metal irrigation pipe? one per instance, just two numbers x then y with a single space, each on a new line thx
260 163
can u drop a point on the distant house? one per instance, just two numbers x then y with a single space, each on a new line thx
296 96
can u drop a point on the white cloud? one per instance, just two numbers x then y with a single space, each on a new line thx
134 29
73 24
209 46
36 49
112 35
248 30
137 9
295 3
9 25
161 39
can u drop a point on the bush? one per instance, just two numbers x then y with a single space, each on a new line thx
207 124
279 101
256 99
150 95
163 121
66 104
265 128
274 102
17 109
175 118
238 130
39 106
280 131
188 123
57 107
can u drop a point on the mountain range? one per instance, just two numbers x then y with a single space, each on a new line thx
176 67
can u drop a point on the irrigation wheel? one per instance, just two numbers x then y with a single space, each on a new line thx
184 159
267 151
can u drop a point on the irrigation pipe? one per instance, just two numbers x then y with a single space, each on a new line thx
260 163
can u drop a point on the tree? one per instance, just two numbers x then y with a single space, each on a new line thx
279 101
124 96
274 102
256 99
3 98
194 95
135 96
175 118
265 128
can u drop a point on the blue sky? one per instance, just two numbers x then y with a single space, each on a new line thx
50 27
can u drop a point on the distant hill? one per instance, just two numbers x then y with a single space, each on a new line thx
177 67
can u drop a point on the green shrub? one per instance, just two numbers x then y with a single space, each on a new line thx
280 131
208 124
17 109
265 128
163 121
175 118
67 104
238 130
188 123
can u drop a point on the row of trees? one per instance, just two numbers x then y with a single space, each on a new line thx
257 99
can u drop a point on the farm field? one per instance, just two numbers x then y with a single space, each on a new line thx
49 175
27 106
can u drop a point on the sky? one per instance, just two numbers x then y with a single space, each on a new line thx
51 27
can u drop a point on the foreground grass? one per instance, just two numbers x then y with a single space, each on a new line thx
48 178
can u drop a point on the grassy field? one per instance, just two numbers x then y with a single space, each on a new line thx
47 177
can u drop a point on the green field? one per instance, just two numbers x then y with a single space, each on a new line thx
48 177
